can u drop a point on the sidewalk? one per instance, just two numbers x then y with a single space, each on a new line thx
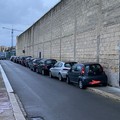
9 107
6 111
109 92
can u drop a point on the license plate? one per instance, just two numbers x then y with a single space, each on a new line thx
93 82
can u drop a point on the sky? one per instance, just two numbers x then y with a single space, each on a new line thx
20 15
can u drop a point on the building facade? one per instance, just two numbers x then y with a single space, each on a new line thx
3 48
77 30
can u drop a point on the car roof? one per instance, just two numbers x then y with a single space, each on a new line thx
88 63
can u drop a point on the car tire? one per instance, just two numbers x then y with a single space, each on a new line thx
68 80
81 85
50 74
60 77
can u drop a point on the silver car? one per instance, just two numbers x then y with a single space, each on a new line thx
60 69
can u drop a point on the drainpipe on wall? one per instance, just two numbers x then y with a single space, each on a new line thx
119 59
98 48
75 31
99 29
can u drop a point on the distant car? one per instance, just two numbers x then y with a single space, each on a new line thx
12 58
87 74
34 64
17 59
60 69
27 61
22 60
44 66
30 62
2 57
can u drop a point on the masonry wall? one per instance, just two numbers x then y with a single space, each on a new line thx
79 30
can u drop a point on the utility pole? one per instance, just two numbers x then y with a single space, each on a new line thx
12 33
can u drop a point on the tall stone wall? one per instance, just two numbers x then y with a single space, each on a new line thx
80 30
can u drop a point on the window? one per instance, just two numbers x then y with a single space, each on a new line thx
94 69
57 64
60 65
67 65
78 68
48 62
74 67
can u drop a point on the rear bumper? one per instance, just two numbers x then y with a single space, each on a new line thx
95 81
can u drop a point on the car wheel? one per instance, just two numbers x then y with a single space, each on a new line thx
50 74
60 77
43 72
68 80
81 86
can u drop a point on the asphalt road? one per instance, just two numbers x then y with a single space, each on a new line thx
51 99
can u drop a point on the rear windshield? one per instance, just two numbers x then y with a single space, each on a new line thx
50 62
94 69
70 64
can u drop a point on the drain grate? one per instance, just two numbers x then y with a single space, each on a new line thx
36 118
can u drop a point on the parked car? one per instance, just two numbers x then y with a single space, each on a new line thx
17 59
22 60
12 58
27 61
86 74
30 62
44 66
2 57
60 69
34 64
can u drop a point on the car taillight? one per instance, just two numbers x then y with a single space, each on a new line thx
83 71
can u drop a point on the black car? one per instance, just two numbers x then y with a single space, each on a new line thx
22 60
17 59
87 74
44 66
30 62
34 64
27 60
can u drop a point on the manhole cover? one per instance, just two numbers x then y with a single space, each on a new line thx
36 118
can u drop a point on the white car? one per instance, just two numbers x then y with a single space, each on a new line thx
60 69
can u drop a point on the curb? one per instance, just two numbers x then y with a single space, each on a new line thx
16 108
105 94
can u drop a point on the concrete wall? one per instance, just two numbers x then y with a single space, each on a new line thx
80 30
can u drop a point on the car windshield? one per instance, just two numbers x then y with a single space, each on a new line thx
94 69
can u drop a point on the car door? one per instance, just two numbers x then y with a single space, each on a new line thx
76 73
40 66
71 72
54 69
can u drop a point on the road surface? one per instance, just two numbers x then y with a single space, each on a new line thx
50 99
